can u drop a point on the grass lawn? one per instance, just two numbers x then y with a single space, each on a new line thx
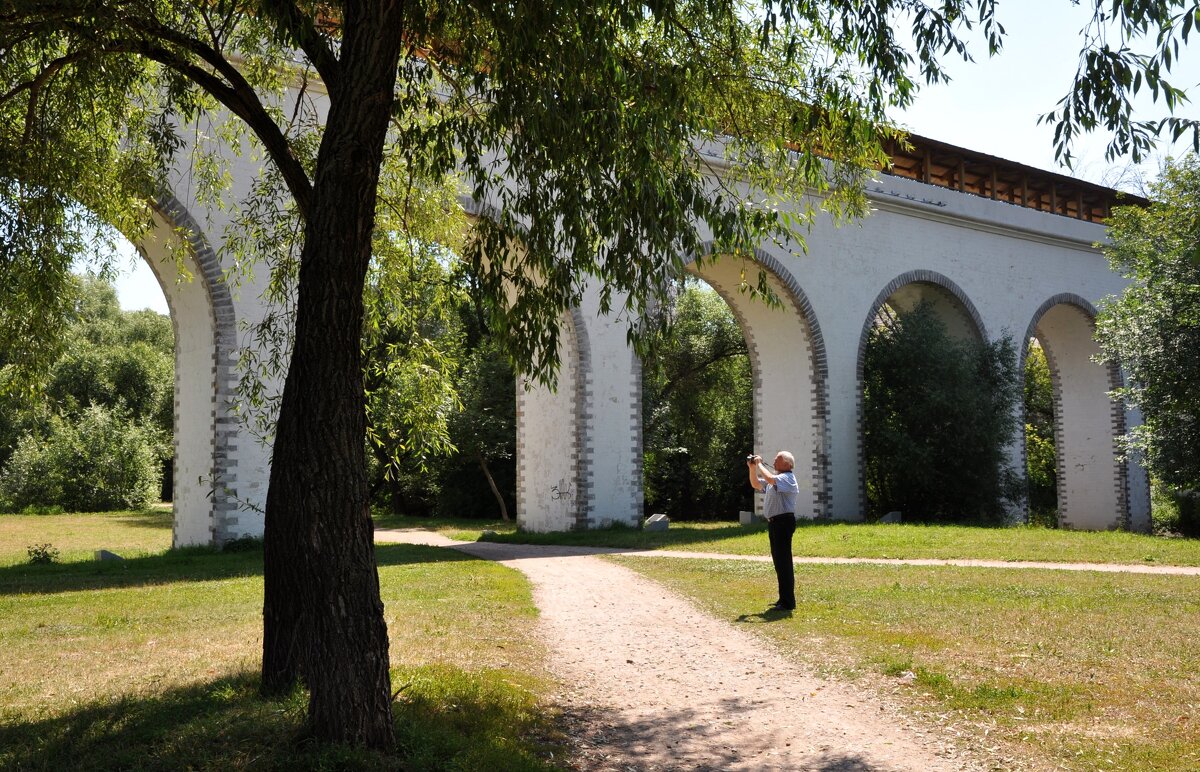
841 539
1080 671
150 663
78 536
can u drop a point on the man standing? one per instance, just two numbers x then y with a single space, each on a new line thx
779 507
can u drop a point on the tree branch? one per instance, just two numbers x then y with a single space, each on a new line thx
301 30
237 95
42 78
691 371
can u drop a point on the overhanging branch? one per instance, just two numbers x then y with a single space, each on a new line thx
301 29
237 95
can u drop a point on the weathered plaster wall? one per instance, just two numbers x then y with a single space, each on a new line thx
550 495
1002 261
1092 485
787 362
610 423
193 321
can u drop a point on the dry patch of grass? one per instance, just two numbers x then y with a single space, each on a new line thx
78 536
1078 670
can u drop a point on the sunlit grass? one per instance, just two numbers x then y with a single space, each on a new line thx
150 662
1084 670
861 540
78 536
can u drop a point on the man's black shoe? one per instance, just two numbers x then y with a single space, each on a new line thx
781 606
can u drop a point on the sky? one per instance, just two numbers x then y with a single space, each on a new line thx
990 106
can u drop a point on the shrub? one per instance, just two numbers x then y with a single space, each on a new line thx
1040 467
42 554
1041 463
101 462
243 544
1188 503
29 481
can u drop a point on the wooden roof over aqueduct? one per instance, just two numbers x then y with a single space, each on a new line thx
948 166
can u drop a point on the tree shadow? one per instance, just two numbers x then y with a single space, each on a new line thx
628 538
602 741
223 724
150 519
197 726
189 564
408 554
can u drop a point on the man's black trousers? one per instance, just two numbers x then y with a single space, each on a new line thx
780 529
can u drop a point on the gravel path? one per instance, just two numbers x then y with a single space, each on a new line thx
652 683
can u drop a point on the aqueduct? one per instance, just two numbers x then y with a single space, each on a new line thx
997 248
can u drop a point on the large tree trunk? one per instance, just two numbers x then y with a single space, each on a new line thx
322 617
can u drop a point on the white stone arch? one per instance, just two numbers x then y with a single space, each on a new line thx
789 370
1093 479
950 304
948 301
202 315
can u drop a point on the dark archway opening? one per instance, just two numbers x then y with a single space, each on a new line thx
938 413
698 410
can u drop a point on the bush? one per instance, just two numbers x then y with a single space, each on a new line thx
1188 503
1040 467
1174 512
243 544
102 462
1041 461
938 417
42 554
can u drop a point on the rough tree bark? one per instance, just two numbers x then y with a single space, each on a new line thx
323 618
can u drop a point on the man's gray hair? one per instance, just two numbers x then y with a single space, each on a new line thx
789 458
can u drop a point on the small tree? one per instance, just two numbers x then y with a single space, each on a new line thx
1153 328
938 416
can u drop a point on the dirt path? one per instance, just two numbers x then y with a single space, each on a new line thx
652 683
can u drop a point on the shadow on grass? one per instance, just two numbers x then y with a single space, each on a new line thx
455 721
191 564
623 537
765 617
391 520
